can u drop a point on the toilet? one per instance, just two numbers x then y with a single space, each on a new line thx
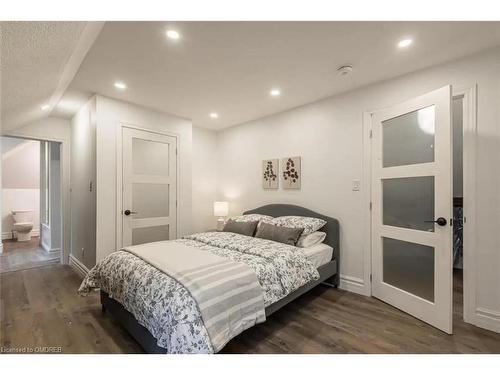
23 224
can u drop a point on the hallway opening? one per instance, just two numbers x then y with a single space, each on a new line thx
31 204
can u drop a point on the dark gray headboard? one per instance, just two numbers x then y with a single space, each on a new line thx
331 227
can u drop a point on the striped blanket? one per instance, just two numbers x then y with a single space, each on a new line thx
228 293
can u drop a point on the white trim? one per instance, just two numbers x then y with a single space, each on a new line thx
469 193
367 188
354 284
48 249
65 149
478 316
487 319
78 266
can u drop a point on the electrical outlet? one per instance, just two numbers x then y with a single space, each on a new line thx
356 185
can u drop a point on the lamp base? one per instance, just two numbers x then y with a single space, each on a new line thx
220 224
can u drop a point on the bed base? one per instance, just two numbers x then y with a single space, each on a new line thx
327 275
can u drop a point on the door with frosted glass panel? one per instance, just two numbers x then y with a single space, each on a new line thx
412 207
149 187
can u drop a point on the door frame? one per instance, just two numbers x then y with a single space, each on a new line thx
469 94
119 176
64 186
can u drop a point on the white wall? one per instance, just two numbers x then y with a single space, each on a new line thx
83 172
111 115
328 135
59 130
204 179
20 182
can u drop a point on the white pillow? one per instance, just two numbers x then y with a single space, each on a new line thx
251 217
310 224
311 239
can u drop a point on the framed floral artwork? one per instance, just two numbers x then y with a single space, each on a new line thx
291 173
270 179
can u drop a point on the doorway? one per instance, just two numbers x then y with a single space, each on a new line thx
457 108
31 203
462 136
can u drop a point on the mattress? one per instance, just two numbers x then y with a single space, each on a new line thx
319 254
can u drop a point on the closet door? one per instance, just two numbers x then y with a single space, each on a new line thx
149 209
412 207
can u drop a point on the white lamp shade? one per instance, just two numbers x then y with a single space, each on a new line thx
221 208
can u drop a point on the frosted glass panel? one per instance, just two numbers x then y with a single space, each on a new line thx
150 234
150 200
409 202
409 266
150 158
409 139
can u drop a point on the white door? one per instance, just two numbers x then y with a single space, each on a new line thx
149 195
412 207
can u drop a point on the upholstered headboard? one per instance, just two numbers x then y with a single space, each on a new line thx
331 227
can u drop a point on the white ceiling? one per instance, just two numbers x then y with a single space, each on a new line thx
33 57
229 67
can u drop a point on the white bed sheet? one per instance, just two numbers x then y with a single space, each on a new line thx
319 254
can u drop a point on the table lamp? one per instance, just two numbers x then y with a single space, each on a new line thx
221 210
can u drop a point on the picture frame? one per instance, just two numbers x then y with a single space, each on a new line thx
291 173
270 174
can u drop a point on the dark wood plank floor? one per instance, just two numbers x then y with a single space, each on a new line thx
21 255
40 307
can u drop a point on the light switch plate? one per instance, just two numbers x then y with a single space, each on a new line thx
356 184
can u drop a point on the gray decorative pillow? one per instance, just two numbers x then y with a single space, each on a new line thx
276 233
309 224
247 228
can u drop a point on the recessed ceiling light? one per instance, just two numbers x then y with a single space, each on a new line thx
172 34
405 43
214 115
44 107
120 85
275 92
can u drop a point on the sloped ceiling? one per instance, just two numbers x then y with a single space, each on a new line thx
35 57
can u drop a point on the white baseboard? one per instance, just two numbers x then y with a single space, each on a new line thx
44 246
78 266
487 319
8 235
353 284
48 249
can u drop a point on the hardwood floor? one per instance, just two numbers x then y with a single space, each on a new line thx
40 308
23 255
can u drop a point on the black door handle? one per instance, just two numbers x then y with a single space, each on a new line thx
439 221
128 212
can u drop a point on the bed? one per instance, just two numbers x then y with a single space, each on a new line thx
325 271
